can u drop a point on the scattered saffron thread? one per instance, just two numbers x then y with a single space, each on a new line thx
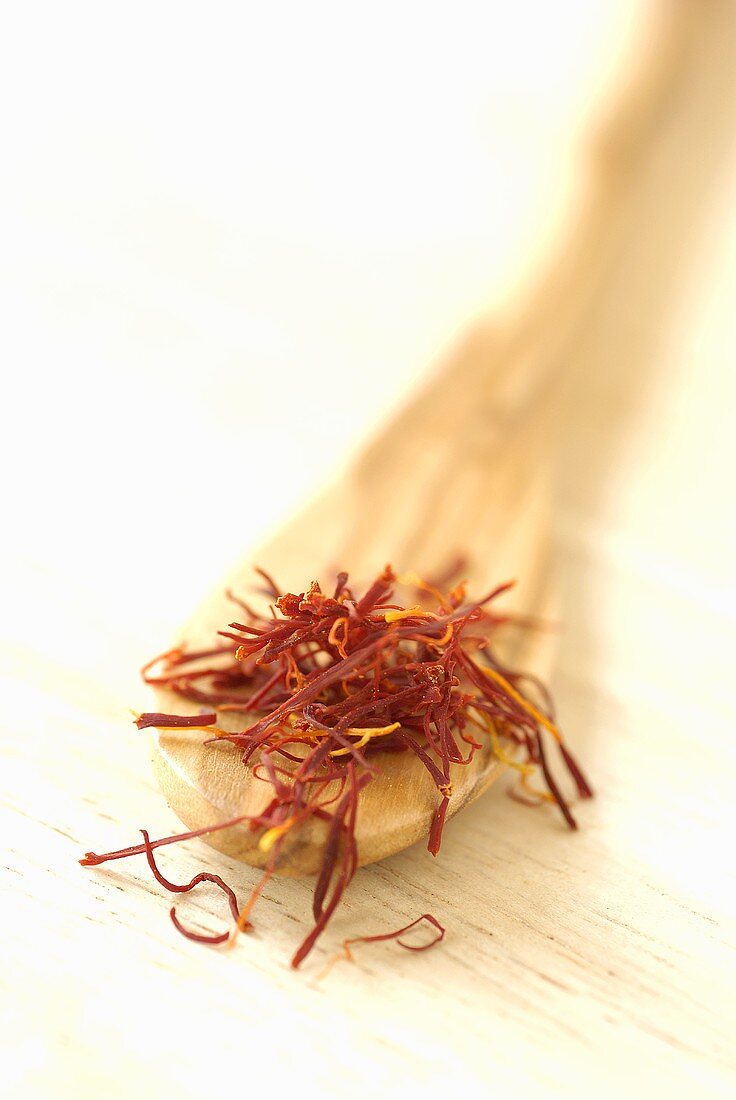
324 685
396 935
203 876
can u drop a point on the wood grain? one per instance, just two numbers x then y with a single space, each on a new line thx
599 964
465 467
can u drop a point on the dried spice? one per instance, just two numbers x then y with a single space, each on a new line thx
326 683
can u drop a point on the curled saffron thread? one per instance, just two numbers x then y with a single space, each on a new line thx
339 641
197 937
396 935
347 944
202 876
328 683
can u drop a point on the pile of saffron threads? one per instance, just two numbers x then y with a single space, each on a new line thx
325 683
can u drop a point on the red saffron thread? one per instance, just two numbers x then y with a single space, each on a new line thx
331 682
347 944
395 935
144 721
203 876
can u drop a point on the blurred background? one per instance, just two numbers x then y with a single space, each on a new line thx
222 228
235 238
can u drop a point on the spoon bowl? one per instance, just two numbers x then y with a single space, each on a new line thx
206 783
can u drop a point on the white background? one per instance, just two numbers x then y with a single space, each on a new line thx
222 224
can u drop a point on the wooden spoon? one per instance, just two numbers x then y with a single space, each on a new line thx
466 466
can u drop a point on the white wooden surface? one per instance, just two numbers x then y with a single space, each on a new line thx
597 963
